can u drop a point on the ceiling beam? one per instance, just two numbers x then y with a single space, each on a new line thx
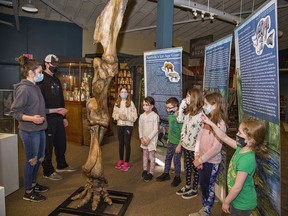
221 15
54 7
16 15
154 26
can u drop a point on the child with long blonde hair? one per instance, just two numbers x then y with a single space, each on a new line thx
208 149
125 114
190 113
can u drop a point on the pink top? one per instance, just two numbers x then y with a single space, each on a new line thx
208 145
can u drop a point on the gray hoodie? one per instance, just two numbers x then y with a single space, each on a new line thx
28 101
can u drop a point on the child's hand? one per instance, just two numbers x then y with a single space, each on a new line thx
37 119
178 149
226 207
196 162
206 120
122 117
147 141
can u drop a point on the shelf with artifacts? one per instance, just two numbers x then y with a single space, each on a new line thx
124 78
76 79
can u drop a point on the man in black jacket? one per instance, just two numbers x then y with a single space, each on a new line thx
55 134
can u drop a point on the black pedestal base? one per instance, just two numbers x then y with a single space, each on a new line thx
121 199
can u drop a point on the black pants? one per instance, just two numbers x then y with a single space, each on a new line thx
55 138
124 137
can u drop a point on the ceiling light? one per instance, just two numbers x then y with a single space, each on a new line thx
195 13
29 7
202 14
211 16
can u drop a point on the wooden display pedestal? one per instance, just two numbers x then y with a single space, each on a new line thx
121 202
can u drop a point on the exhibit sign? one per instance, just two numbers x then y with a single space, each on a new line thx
163 76
257 52
216 79
197 46
217 66
256 46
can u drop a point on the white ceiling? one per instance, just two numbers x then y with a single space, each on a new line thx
141 15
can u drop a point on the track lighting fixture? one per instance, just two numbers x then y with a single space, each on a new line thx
211 16
195 13
202 14
29 7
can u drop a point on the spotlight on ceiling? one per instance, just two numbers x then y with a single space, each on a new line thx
195 13
211 16
29 7
202 14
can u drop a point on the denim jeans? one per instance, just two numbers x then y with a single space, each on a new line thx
34 147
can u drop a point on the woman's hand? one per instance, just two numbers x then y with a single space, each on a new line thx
37 119
122 117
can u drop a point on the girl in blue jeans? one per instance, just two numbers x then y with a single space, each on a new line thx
28 108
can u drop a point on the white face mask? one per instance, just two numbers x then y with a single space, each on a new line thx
207 109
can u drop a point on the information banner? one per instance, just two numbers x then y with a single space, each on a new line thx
257 52
256 46
163 76
217 66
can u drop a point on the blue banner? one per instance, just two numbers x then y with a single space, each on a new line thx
217 66
163 76
256 48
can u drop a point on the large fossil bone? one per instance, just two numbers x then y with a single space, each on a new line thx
106 32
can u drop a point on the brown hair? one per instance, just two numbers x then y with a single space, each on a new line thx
256 130
196 102
173 100
220 112
151 101
128 100
27 65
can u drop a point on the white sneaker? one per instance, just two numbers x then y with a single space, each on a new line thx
66 169
54 176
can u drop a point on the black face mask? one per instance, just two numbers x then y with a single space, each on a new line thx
240 141
53 69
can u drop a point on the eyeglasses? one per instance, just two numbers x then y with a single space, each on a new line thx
169 108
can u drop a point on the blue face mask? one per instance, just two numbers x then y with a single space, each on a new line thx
123 95
240 141
39 78
171 112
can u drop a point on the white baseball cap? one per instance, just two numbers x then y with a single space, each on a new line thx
53 59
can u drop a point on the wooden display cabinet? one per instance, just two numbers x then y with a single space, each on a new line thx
124 78
76 79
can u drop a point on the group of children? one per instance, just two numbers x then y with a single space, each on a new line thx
197 126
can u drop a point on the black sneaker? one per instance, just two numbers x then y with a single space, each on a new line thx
176 181
190 195
144 173
34 197
184 190
40 188
163 177
148 177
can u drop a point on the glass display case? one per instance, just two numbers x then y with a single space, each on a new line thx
7 122
76 79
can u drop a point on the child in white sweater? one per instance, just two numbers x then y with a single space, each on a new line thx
148 134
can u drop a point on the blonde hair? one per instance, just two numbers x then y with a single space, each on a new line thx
128 99
255 130
196 102
220 112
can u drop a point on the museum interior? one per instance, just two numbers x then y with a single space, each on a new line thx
67 29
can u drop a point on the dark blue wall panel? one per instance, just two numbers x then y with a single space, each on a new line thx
37 37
